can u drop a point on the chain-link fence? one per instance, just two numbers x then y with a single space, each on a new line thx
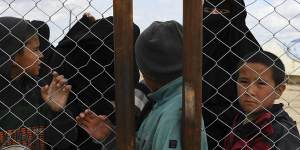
81 48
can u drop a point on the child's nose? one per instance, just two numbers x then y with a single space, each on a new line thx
41 55
251 89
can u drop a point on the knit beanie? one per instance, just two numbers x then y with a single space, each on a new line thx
43 33
158 51
14 33
42 27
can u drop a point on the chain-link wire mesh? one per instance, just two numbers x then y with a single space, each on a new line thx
82 50
232 122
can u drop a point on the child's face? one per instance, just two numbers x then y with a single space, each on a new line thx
256 87
29 58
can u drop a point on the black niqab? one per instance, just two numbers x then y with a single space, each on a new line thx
226 39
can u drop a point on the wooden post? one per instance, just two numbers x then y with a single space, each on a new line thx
192 74
123 38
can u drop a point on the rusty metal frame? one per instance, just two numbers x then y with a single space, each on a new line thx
192 74
123 25
192 91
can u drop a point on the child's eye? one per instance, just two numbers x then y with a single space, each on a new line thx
262 83
37 49
243 82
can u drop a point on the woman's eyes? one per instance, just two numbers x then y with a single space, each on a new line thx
221 11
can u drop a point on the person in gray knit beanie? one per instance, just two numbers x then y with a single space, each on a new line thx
158 51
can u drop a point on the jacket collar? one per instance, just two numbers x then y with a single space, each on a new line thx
171 89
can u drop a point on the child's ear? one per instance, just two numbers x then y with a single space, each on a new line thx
18 57
279 90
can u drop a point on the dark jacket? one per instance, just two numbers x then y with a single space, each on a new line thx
272 129
226 38
23 113
85 56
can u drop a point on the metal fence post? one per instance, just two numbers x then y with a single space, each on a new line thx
192 74
123 38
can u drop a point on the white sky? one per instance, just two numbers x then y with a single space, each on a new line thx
269 20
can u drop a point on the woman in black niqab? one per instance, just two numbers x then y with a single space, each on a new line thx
226 38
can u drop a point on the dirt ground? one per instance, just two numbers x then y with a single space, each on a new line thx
291 101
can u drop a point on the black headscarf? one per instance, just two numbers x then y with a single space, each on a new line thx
226 39
14 33
86 58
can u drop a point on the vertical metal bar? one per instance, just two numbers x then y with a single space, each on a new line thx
192 74
123 38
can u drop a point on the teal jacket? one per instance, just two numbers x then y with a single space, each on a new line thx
161 129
